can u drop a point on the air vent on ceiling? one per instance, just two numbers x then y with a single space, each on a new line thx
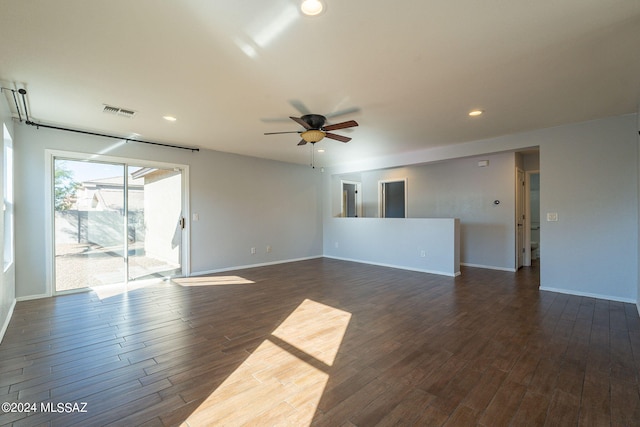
118 111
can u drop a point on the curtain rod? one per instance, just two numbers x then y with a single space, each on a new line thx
29 122
39 125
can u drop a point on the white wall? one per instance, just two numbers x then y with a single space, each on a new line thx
7 278
589 176
457 188
422 244
242 202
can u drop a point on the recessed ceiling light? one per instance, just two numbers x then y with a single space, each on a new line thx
320 150
311 7
475 113
169 118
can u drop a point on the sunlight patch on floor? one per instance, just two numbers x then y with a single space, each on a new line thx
212 281
108 291
316 329
282 381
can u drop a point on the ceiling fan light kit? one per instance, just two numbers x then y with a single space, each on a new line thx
312 135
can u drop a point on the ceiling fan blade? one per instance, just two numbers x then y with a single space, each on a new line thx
302 142
347 124
278 133
300 122
299 105
344 112
337 137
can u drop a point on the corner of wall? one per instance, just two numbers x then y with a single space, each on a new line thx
5 324
638 246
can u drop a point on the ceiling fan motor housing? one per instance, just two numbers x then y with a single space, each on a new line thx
315 121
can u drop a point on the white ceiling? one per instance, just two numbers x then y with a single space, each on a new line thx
413 69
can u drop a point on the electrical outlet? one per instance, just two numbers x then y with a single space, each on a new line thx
268 248
552 216
253 251
423 254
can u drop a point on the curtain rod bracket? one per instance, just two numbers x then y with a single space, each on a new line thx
15 100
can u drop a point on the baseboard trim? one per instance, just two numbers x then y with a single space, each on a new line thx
401 267
30 297
242 267
588 294
5 324
488 267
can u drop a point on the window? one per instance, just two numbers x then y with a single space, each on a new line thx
7 206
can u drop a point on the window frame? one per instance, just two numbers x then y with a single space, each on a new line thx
8 201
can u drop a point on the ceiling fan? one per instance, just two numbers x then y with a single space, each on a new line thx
315 129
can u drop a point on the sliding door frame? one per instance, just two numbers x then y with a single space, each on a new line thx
49 237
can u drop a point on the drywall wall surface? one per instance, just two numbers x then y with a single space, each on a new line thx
479 191
482 197
588 176
422 244
589 183
241 202
531 162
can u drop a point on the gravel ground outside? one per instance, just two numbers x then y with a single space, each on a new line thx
81 265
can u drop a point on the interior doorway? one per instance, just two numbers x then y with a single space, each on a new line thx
520 218
533 217
393 199
115 222
351 205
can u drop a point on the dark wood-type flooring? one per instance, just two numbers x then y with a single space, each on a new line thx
329 343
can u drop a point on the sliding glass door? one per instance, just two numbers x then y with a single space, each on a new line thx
155 223
114 223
